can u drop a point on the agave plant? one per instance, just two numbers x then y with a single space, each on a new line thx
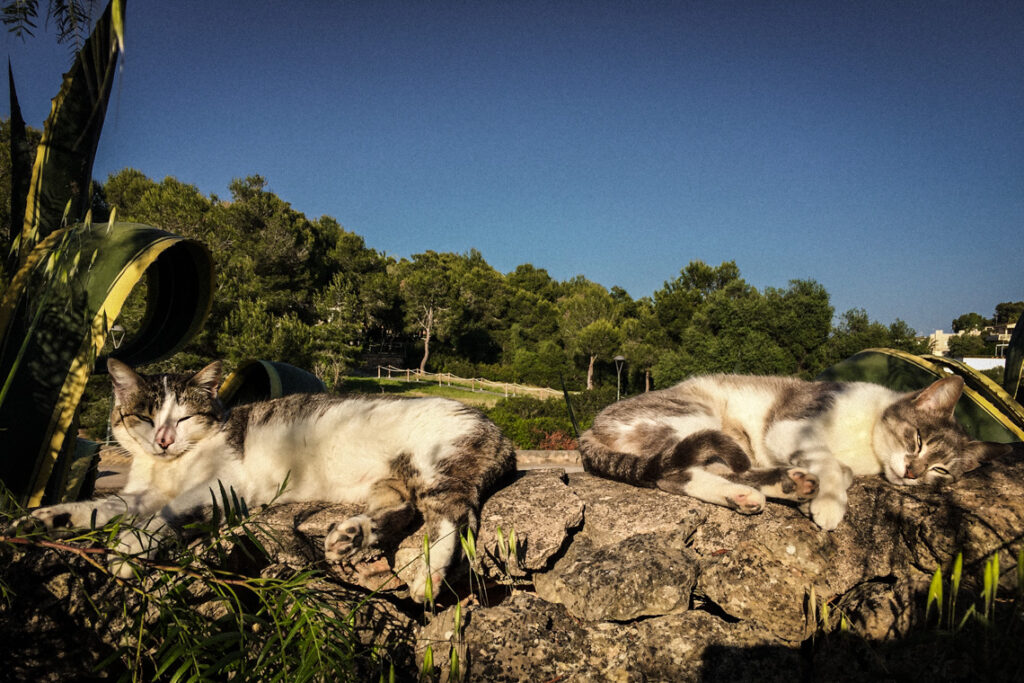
71 278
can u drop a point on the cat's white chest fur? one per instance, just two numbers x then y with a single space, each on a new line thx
848 428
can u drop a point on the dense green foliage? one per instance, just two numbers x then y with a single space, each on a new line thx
314 294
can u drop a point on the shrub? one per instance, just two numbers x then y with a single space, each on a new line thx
545 424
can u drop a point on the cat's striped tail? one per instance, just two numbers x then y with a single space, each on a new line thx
599 459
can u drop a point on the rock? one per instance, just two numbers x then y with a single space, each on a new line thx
527 638
876 610
644 575
540 510
442 637
616 511
697 645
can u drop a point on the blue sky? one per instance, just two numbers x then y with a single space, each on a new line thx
874 146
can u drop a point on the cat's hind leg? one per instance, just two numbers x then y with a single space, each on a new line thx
448 508
713 488
700 466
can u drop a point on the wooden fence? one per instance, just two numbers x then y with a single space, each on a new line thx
473 383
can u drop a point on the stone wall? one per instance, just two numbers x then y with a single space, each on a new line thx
606 581
584 579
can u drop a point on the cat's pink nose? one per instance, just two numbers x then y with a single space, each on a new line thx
910 474
164 437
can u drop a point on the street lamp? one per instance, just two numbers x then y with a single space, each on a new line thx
116 334
619 360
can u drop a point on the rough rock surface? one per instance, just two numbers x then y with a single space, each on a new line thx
538 537
650 574
608 582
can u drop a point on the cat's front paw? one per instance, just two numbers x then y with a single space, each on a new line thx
827 511
746 501
346 539
66 516
805 483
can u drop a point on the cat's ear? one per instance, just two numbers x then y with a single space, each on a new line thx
208 379
978 453
941 397
123 378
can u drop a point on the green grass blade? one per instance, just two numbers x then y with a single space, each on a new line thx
934 596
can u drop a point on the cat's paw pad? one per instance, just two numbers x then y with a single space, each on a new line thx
805 483
827 511
345 539
746 501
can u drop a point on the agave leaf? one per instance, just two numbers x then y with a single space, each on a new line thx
62 172
1013 374
21 163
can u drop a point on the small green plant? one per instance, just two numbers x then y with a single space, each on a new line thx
944 602
509 558
820 617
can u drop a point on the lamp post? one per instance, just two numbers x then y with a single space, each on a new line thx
619 360
116 334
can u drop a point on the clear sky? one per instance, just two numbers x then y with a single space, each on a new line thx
874 146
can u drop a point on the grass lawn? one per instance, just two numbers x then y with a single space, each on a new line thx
372 385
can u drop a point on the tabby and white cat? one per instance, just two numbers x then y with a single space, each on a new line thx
387 453
733 440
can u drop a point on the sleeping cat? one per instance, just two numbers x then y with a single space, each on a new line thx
387 453
733 440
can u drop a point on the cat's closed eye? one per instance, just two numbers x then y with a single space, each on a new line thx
941 471
142 418
183 419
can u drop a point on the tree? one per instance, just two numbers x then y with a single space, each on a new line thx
72 18
642 340
125 190
598 339
586 324
529 278
798 319
428 291
969 345
904 338
968 322
7 231
677 301
1009 312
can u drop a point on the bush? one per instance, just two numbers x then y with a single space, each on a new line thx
545 424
